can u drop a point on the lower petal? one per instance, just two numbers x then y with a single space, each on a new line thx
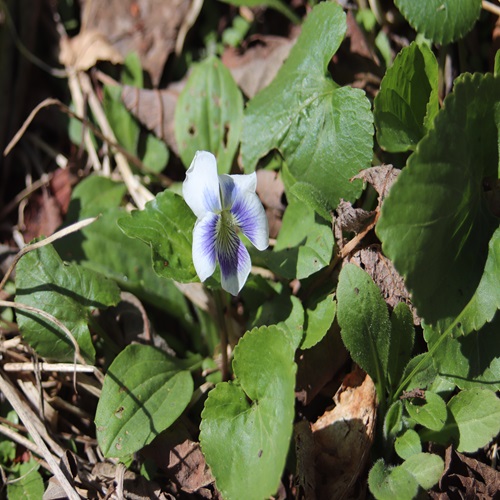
234 262
204 237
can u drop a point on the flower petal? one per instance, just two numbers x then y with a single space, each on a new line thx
204 238
238 194
233 258
201 186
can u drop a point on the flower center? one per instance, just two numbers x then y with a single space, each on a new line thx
226 230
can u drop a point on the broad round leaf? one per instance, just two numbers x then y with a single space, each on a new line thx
476 415
68 292
435 223
166 225
145 390
443 21
209 114
323 131
247 424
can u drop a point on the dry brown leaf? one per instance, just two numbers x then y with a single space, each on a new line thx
84 50
258 65
343 437
317 366
381 178
155 109
385 276
270 189
466 477
148 27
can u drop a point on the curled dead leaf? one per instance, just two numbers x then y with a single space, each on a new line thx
343 438
84 50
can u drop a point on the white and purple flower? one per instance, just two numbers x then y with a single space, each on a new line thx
224 205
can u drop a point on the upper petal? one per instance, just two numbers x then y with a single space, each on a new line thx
204 238
201 186
238 193
234 261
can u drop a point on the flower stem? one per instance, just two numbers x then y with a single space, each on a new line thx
220 304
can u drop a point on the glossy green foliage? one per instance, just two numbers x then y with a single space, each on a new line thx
247 423
68 292
166 225
438 205
443 21
405 107
145 390
323 131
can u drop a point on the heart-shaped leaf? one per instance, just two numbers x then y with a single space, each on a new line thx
209 114
145 390
438 205
443 21
407 103
323 131
66 291
166 225
247 424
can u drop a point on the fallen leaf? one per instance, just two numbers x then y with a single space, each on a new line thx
385 276
155 109
381 178
270 189
148 27
466 477
84 50
343 438
258 65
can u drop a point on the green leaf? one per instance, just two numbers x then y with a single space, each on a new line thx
476 415
388 483
432 414
274 4
393 421
443 21
426 468
319 317
132 71
402 337
166 225
323 131
437 205
209 114
103 247
313 197
68 292
124 125
145 390
425 375
304 245
28 483
156 154
408 444
247 424
469 362
364 321
405 107
473 420
496 70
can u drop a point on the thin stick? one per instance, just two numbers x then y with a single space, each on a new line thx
56 102
28 417
57 235
25 193
48 367
494 9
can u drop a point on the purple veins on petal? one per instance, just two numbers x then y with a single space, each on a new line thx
204 245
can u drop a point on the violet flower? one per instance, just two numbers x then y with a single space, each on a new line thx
224 205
